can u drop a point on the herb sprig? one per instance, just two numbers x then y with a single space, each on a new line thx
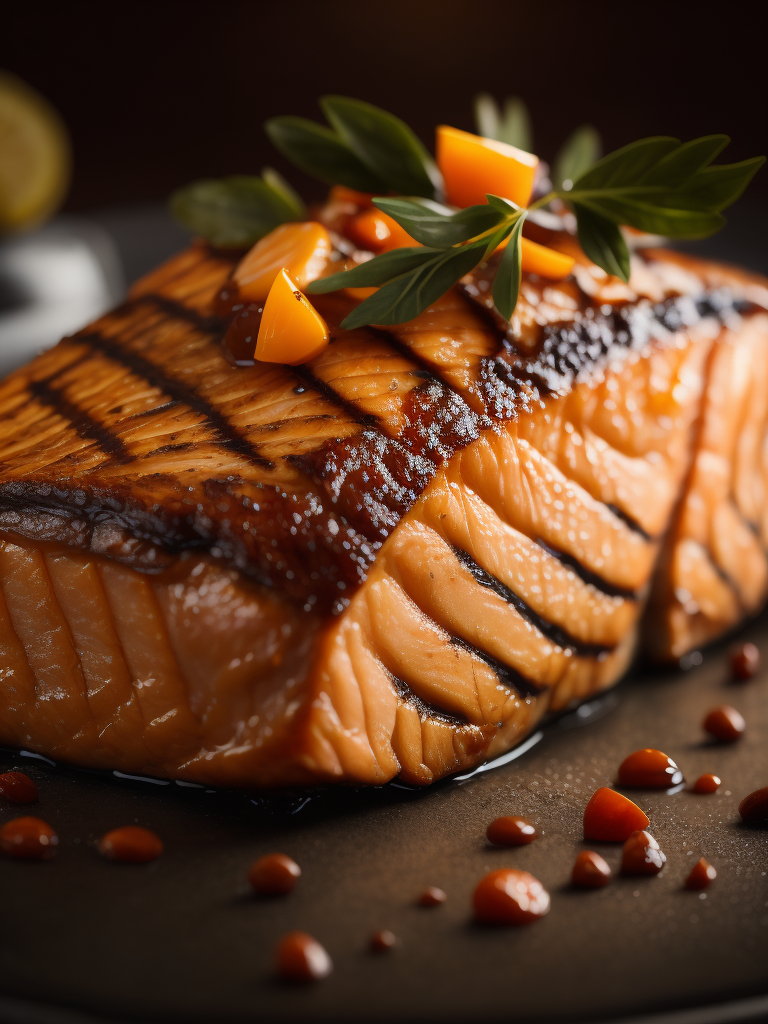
658 185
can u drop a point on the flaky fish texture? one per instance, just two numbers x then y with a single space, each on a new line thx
392 561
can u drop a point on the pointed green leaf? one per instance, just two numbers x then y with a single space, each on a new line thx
408 296
657 214
578 153
506 284
682 163
429 225
318 151
602 242
714 188
628 165
386 145
486 116
515 125
377 271
277 182
232 212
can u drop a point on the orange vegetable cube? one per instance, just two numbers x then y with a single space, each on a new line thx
304 249
291 330
378 232
473 166
546 262
342 194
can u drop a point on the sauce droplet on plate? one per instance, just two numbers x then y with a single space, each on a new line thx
511 831
508 896
702 873
274 875
130 844
706 784
754 808
18 788
383 941
642 855
649 769
745 662
240 340
590 871
725 723
28 839
611 817
300 958
432 897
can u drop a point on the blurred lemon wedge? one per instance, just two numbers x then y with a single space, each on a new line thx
35 156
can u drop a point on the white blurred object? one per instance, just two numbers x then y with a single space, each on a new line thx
53 282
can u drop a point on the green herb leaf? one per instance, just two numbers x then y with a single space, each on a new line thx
409 295
376 271
320 152
602 242
386 145
512 127
578 153
682 163
437 226
715 188
233 212
277 182
628 165
486 115
506 283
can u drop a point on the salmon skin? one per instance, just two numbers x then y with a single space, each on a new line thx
392 561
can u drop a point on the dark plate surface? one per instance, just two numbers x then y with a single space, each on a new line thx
183 940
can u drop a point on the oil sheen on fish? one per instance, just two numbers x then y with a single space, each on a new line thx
393 560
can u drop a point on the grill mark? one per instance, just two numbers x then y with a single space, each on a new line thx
549 629
226 433
206 324
424 708
586 575
510 677
633 524
84 425
167 449
328 392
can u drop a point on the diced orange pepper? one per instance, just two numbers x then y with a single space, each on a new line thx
291 330
342 194
378 232
541 260
473 166
304 249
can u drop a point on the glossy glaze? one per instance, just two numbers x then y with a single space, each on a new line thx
642 855
275 874
28 838
382 941
745 661
590 871
18 788
300 958
432 897
649 769
509 896
724 723
701 874
511 831
131 844
611 817
754 808
707 784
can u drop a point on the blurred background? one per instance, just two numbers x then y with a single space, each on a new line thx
155 95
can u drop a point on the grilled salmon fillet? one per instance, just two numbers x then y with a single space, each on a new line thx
393 560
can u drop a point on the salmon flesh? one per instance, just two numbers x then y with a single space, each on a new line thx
392 561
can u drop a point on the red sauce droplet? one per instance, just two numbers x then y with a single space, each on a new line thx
227 300
590 871
28 839
642 855
130 845
706 784
300 958
702 873
274 875
725 723
18 788
745 661
612 817
754 808
432 897
511 831
508 896
383 941
649 769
